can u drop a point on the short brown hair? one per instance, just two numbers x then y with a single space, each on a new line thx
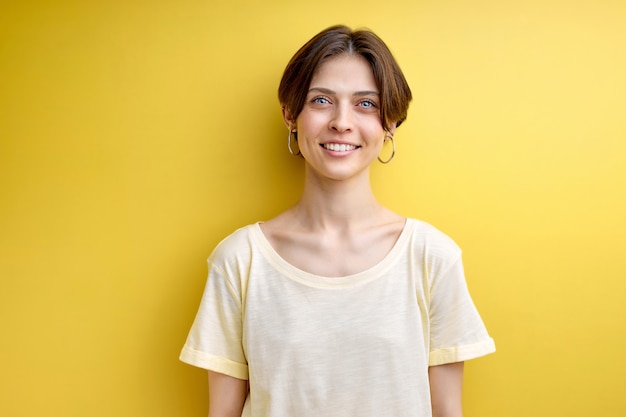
395 93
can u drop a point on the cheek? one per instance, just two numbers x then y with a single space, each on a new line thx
309 126
375 131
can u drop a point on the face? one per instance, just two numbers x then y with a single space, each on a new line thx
339 128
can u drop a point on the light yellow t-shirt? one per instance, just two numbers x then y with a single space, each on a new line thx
358 345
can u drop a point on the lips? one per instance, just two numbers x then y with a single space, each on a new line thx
339 147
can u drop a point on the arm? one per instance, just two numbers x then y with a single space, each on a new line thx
446 382
226 395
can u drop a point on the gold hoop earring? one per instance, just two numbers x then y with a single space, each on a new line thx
393 150
295 134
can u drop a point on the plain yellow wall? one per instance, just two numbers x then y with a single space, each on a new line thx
134 135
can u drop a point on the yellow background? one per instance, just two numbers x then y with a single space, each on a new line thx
134 135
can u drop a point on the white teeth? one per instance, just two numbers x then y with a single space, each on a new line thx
339 147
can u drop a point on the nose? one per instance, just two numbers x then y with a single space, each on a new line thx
341 120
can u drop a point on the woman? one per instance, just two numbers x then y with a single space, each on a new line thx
337 306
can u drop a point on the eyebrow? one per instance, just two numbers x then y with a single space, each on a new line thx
331 92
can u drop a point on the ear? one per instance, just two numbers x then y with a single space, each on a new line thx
392 128
288 118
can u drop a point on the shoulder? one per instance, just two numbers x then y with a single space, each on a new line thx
431 241
234 247
426 232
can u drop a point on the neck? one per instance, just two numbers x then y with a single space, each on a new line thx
343 204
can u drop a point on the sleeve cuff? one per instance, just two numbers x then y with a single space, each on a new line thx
461 353
214 363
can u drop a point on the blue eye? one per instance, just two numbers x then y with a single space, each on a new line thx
367 104
320 100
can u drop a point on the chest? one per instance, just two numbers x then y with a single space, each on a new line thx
290 325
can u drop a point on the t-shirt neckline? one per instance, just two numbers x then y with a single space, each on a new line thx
292 272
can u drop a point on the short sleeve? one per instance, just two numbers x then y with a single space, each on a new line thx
215 339
457 332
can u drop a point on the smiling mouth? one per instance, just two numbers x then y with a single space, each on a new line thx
339 147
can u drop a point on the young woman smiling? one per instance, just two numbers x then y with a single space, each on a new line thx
338 306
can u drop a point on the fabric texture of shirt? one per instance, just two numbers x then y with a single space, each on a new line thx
358 345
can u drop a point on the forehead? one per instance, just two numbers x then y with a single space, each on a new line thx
345 71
